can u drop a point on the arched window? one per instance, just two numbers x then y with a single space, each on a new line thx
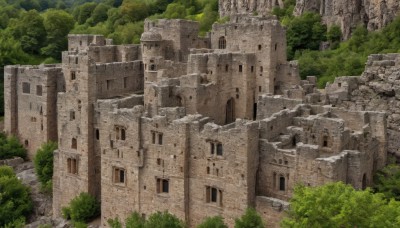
222 42
282 184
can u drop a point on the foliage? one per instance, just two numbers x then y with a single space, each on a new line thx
305 32
340 205
213 222
43 162
163 219
334 35
80 225
114 223
387 181
135 221
82 208
15 202
250 219
10 147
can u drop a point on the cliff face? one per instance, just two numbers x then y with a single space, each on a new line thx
228 7
375 14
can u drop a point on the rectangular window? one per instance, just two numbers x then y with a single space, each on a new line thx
39 90
240 68
97 134
73 75
219 149
162 185
71 115
109 84
72 166
160 138
26 87
119 175
153 137
213 195
212 148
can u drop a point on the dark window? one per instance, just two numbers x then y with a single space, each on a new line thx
97 134
252 69
282 184
219 149
325 144
119 175
76 60
276 46
123 134
109 84
153 67
240 68
162 185
340 84
226 68
153 137
71 115
214 195
39 90
26 87
160 139
212 148
222 43
259 47
73 75
74 144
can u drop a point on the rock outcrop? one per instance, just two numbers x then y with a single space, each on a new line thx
375 14
228 7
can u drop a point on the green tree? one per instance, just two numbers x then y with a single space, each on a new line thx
135 221
29 29
99 14
175 11
162 220
334 34
43 162
213 222
340 205
114 223
305 32
387 181
84 12
82 208
15 202
58 23
134 10
250 219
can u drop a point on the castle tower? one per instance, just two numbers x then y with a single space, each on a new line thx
75 161
153 56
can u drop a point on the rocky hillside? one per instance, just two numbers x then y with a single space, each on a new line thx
375 14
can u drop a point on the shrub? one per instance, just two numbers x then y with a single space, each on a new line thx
251 219
43 162
213 222
387 181
82 208
80 225
10 147
162 220
15 202
114 223
135 221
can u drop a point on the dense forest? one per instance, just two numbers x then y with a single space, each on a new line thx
35 32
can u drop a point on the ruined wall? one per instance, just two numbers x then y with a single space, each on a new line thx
30 104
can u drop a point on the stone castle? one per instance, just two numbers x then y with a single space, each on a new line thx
200 126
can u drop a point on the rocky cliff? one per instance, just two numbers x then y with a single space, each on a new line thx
375 14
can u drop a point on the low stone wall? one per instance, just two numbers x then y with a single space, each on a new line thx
272 210
13 162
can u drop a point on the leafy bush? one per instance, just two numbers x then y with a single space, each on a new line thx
15 202
114 223
82 208
250 219
387 181
10 147
135 221
340 205
80 225
162 220
213 222
43 162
